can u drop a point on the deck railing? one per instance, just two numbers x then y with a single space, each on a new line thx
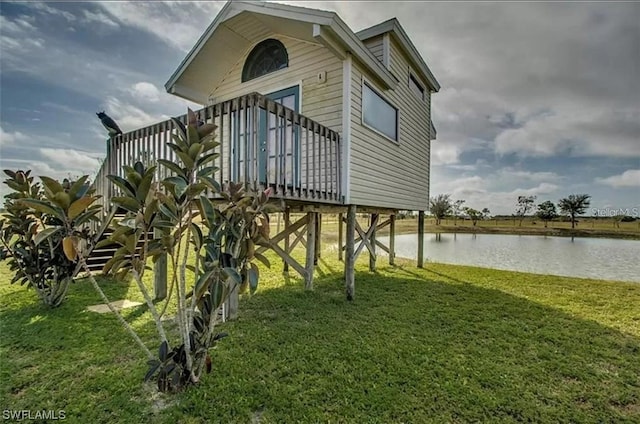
262 144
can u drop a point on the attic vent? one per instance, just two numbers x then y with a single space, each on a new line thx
268 56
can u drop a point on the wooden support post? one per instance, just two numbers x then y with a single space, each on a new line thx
160 277
340 240
420 239
311 255
349 264
234 300
372 240
392 240
318 237
287 223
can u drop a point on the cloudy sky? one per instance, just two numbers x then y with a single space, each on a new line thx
537 98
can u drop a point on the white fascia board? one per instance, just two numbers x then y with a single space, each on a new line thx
221 17
322 36
297 13
188 94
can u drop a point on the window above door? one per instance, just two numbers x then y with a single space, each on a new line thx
266 57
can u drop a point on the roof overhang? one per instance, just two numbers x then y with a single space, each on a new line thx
220 47
393 26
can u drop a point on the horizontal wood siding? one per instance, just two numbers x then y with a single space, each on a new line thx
375 45
321 102
384 173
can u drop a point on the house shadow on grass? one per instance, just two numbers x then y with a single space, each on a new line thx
418 349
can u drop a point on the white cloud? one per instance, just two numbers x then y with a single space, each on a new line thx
179 24
146 91
629 178
44 8
580 132
130 117
72 160
99 17
7 138
510 174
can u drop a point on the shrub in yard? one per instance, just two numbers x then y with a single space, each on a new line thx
43 229
210 246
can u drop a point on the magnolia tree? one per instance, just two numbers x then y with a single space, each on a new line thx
211 247
43 229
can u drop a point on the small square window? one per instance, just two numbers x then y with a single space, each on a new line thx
416 87
378 113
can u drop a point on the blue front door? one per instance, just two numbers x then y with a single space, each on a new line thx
280 142
278 149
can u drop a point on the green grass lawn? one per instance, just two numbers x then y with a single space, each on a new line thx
443 344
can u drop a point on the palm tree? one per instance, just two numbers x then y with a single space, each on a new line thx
575 204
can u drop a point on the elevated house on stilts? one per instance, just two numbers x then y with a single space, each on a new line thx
335 122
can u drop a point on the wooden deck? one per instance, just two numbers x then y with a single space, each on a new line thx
262 144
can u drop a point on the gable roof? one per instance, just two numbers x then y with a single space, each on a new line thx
320 26
393 26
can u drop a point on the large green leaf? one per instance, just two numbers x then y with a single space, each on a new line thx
253 275
194 190
218 294
128 203
44 207
45 234
208 209
186 159
123 184
181 130
150 210
178 183
202 284
80 205
194 150
52 184
212 183
167 212
207 158
209 145
262 259
233 274
207 171
192 134
145 184
198 237
206 129
139 168
173 167
88 215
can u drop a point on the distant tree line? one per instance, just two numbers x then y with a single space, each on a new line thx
572 206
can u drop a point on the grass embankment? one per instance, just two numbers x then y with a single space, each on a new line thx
443 344
588 227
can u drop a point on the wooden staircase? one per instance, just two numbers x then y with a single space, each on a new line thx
100 256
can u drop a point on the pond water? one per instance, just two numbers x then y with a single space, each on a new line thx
607 259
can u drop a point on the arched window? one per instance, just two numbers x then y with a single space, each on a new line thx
268 56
